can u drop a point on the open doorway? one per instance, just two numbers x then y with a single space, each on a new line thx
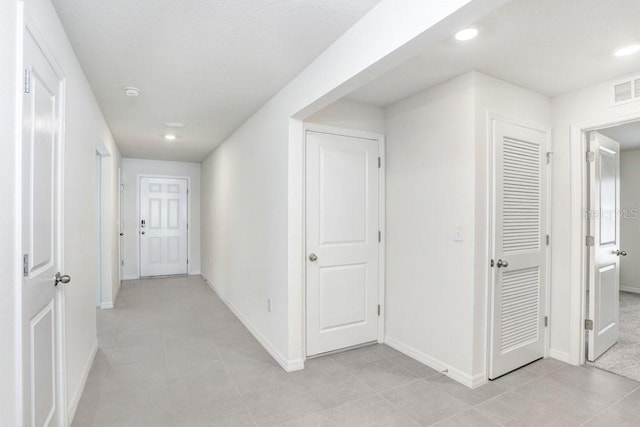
613 285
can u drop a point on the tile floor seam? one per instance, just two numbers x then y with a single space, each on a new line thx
398 386
493 397
612 405
409 415
235 384
349 403
362 382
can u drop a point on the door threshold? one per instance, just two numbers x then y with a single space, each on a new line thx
344 349
167 276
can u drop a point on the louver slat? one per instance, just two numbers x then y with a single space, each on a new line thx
519 309
521 196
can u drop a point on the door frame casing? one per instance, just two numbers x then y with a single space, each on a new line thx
580 229
492 117
333 130
27 24
137 225
107 297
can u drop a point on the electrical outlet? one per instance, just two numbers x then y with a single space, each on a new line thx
269 305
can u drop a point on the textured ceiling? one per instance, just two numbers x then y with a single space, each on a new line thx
208 63
549 46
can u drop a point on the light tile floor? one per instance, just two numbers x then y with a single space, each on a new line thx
172 354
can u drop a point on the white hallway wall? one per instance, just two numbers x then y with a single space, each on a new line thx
84 127
630 221
131 171
252 184
430 186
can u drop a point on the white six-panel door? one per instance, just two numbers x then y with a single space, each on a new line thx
342 223
520 258
163 226
41 234
604 292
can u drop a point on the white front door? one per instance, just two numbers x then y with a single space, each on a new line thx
163 226
605 254
41 237
520 251
342 241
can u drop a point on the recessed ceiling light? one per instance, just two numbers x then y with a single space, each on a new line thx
628 50
467 33
174 124
131 91
169 137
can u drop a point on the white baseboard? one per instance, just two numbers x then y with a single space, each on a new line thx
287 365
630 289
560 355
453 373
106 305
194 273
75 399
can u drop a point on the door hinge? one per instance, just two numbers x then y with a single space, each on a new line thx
379 162
122 262
549 156
378 309
591 156
590 241
187 260
493 263
379 236
548 240
588 324
25 265
27 81
546 321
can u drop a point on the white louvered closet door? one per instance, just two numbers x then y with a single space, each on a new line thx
520 229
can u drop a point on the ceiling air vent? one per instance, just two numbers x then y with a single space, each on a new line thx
626 91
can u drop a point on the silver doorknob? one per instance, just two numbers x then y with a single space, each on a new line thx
121 234
142 232
313 257
62 278
502 263
621 253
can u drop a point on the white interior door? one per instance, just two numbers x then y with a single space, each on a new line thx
163 226
605 254
520 258
41 236
342 241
